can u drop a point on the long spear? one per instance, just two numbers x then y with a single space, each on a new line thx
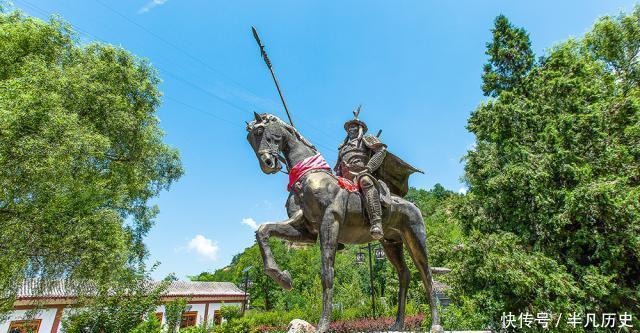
268 62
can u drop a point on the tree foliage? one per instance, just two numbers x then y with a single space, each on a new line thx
552 212
173 313
121 307
81 154
510 58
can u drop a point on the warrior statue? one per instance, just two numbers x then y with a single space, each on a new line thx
358 157
325 208
329 209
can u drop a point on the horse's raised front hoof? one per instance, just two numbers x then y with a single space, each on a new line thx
397 326
436 329
284 280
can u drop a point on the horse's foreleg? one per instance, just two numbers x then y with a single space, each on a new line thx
329 230
414 236
291 229
394 254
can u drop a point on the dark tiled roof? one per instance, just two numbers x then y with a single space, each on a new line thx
64 289
48 289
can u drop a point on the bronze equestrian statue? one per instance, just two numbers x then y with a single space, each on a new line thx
318 206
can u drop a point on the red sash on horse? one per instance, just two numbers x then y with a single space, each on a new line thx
316 162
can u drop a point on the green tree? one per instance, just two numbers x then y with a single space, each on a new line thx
150 325
510 58
81 155
173 313
552 213
122 306
230 312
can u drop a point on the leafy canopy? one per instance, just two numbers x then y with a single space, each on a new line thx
552 210
81 154
510 58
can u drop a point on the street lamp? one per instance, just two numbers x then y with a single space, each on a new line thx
379 255
242 285
246 286
360 258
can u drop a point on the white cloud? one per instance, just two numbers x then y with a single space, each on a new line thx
462 190
204 247
151 5
250 222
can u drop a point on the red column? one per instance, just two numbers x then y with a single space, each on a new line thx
56 321
206 313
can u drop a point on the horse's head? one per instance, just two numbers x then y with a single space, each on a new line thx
269 136
266 134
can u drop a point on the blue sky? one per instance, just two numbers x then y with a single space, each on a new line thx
414 65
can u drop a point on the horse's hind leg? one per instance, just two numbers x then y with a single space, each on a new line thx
329 230
291 229
414 236
393 250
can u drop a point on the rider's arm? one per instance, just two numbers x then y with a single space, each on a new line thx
376 160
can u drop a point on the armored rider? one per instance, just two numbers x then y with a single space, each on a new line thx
359 156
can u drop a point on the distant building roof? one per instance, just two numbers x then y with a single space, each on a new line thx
34 288
48 289
186 288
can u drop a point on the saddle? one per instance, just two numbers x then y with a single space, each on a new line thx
383 189
385 193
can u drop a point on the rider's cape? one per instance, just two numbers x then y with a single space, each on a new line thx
394 172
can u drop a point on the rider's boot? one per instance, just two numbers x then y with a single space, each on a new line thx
376 229
374 210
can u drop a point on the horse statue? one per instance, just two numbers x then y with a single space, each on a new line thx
319 207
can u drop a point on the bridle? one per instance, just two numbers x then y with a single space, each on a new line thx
276 154
275 151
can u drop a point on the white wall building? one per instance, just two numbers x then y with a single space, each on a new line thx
51 305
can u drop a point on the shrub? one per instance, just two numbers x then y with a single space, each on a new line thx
273 318
230 312
374 324
238 325
197 329
150 325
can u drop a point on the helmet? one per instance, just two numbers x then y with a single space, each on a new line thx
356 121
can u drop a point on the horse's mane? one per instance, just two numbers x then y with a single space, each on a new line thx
266 118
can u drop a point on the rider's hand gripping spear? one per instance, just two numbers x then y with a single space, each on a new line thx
268 62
